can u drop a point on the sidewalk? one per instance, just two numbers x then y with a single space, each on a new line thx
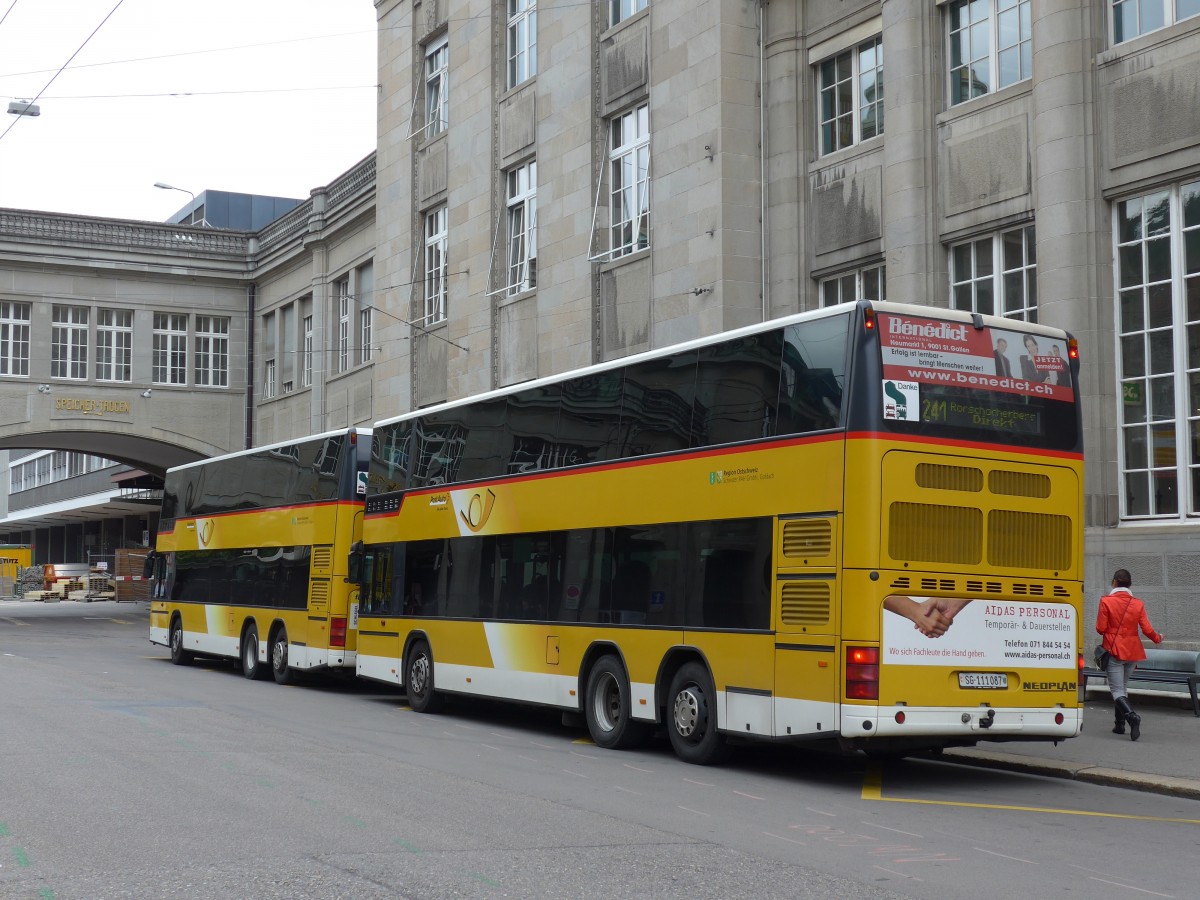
1164 760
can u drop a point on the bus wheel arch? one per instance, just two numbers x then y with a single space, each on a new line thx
608 705
419 683
179 656
248 651
691 715
277 653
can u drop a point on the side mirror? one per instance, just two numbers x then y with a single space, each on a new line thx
354 564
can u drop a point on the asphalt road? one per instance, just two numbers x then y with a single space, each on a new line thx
122 776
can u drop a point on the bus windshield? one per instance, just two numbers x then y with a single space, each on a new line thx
999 385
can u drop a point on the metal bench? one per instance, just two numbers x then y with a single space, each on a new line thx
1159 667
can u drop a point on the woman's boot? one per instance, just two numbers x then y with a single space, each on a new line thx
1119 726
1134 720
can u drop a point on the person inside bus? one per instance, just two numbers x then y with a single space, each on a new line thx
1120 616
415 601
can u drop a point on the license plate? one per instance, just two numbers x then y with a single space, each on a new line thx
982 680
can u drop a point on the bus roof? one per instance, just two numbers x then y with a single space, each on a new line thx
363 432
911 309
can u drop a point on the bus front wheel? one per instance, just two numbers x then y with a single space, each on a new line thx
418 679
179 656
279 657
251 667
609 707
692 717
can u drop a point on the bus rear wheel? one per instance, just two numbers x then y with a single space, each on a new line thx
279 657
179 656
251 667
609 708
418 679
692 717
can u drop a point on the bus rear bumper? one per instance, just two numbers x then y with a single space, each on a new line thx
974 723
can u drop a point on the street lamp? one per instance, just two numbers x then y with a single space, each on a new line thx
171 187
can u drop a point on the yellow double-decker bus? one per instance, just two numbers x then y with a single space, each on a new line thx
251 556
860 524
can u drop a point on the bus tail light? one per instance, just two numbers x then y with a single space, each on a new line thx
869 319
1073 349
1080 662
337 631
862 673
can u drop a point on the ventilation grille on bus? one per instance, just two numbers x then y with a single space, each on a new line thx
807 538
1029 540
945 534
319 593
1019 484
322 557
805 603
949 478
905 584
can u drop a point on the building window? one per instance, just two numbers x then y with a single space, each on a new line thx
306 375
269 379
522 228
851 96
436 237
342 292
212 351
1158 321
14 338
69 342
990 46
437 63
365 324
862 284
620 10
114 345
996 275
522 41
169 351
629 165
270 373
1134 17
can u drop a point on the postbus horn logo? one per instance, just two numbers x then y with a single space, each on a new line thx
479 510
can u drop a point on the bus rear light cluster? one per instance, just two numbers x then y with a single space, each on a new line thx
337 631
862 673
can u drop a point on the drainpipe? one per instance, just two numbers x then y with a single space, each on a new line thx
762 152
251 290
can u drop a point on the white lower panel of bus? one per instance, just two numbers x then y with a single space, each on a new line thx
792 718
299 656
378 668
941 721
511 684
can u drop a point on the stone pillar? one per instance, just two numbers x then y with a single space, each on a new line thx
786 146
1074 258
911 48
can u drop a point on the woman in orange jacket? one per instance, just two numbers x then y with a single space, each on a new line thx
1121 615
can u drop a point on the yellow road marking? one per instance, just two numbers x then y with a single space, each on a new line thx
873 790
584 740
15 622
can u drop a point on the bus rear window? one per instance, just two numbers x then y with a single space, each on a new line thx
950 379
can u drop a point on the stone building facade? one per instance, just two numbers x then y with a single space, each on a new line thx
702 164
558 186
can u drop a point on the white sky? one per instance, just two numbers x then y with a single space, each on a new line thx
297 105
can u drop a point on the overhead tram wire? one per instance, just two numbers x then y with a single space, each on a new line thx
7 11
63 66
